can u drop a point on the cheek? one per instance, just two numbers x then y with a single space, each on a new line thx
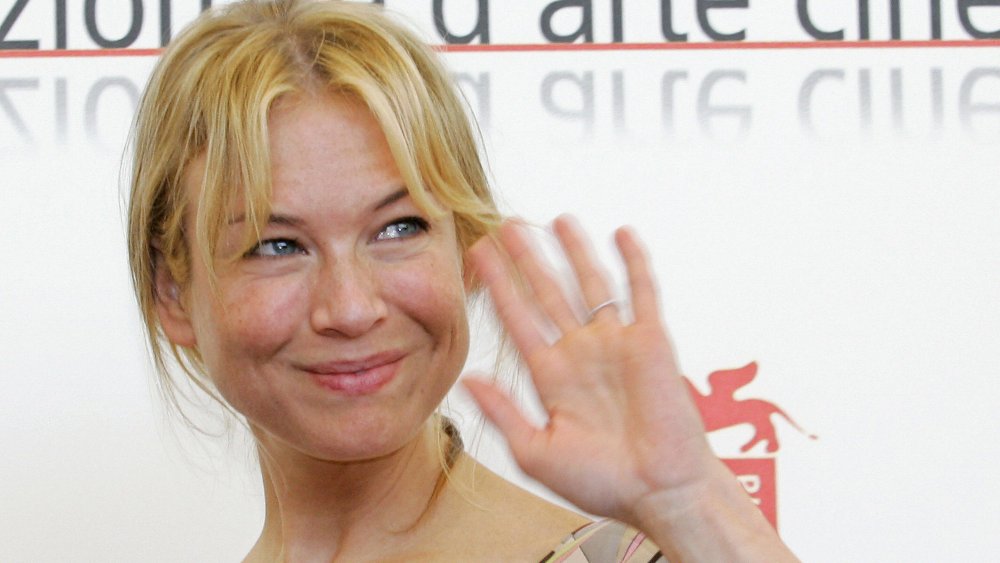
432 293
251 321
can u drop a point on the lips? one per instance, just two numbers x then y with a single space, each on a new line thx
357 376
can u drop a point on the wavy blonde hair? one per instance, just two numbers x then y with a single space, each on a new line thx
211 94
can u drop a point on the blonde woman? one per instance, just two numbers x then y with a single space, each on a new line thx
308 220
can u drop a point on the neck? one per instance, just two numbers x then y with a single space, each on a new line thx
323 510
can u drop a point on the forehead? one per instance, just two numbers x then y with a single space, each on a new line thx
329 151
324 133
304 132
318 145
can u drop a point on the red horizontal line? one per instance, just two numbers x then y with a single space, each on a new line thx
56 53
538 47
718 45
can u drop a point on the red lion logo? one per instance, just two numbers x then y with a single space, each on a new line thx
719 409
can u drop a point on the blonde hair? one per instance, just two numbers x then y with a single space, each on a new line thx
211 94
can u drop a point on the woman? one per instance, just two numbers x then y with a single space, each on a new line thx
306 203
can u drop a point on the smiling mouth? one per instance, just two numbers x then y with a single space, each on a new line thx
356 377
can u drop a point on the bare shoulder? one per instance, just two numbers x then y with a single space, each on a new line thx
500 521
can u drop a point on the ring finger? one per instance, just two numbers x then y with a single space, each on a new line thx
589 274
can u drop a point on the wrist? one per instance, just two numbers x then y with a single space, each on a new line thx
710 519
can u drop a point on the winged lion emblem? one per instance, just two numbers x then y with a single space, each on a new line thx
720 409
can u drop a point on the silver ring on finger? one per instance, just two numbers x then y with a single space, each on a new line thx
602 305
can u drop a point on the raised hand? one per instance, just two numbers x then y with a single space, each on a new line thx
621 425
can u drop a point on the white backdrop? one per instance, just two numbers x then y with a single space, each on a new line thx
831 214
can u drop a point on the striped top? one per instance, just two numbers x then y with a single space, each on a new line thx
605 541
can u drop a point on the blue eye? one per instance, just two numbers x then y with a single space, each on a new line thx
402 228
275 247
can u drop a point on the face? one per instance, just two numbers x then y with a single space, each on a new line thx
340 332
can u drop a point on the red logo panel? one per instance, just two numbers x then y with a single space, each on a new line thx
721 409
757 477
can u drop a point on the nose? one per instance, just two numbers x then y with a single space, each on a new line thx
347 300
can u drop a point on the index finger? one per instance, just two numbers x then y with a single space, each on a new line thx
515 314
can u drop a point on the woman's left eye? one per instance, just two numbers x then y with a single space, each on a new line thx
402 228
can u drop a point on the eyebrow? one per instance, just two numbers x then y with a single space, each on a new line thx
292 221
392 198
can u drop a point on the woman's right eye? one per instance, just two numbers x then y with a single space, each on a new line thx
274 247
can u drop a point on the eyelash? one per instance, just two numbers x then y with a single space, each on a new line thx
421 225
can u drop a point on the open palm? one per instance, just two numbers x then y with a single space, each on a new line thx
621 425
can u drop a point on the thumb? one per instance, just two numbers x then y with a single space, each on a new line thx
503 413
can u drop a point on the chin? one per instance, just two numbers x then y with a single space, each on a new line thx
355 440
